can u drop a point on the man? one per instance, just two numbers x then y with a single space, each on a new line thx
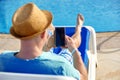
32 25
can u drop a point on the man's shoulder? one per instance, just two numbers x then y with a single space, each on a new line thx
6 54
53 57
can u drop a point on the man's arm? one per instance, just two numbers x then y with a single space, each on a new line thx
79 65
77 59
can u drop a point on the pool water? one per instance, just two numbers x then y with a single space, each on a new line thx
102 15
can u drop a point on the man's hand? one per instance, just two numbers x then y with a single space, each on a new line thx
77 59
70 43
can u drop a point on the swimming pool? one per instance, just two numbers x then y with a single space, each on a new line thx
103 15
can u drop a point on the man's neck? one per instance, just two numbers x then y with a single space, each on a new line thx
29 54
29 51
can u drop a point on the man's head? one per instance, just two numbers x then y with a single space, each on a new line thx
29 21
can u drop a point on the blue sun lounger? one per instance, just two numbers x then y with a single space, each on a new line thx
85 34
88 53
87 48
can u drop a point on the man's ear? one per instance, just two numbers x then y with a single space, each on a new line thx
43 34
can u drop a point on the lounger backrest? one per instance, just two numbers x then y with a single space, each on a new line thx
85 34
21 76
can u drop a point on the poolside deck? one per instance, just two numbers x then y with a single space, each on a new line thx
108 45
108 65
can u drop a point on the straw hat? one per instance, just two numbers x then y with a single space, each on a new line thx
29 21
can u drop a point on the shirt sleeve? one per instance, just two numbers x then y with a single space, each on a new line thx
69 70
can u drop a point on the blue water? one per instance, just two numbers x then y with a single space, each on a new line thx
102 15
